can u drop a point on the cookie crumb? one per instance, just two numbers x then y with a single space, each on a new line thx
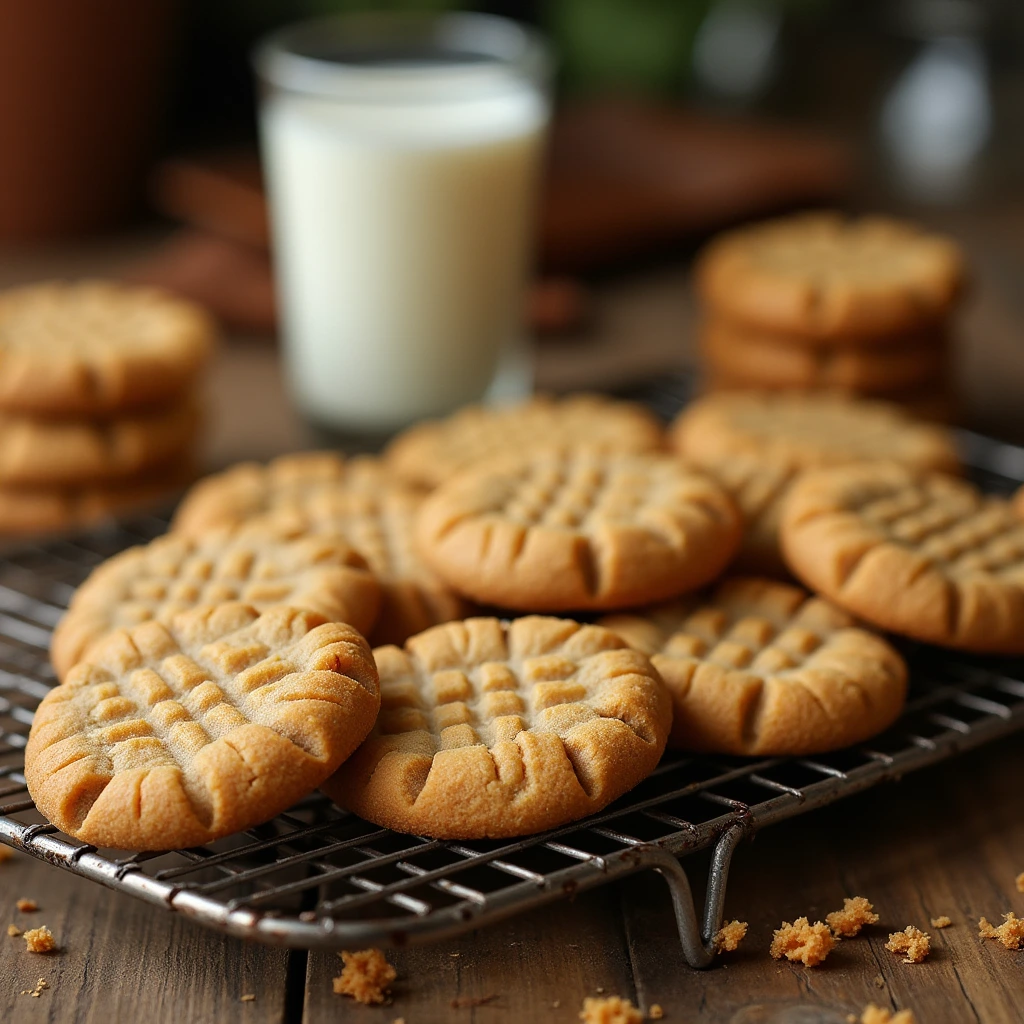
730 936
851 1018
856 913
879 1015
941 922
398 1020
1020 877
803 941
912 941
1010 933
556 1004
27 906
879 981
365 977
462 1002
248 998
35 993
40 940
613 1010
656 1012
13 930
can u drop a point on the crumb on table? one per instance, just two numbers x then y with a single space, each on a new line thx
365 977
13 930
610 1010
730 936
802 941
27 906
35 993
1010 933
941 922
856 913
248 998
879 1015
1020 880
40 940
913 942
656 1012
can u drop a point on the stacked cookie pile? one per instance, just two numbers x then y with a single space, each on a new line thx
98 409
818 302
540 590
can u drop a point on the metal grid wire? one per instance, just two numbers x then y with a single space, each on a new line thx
319 877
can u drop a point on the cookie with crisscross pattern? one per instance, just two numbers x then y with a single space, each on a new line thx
803 431
822 276
260 566
361 500
758 668
93 348
922 554
430 453
503 729
175 735
559 531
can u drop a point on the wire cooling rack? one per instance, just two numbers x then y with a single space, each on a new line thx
319 877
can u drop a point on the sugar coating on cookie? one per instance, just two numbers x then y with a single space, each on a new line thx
805 430
175 735
491 729
97 347
824 276
559 531
921 554
361 500
260 566
759 667
430 453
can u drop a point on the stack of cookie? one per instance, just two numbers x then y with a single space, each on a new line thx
822 303
218 674
98 404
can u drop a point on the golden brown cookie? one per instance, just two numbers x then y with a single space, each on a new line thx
67 453
30 511
96 348
921 554
823 276
805 430
503 729
761 668
764 360
430 453
759 488
558 531
175 735
357 498
261 567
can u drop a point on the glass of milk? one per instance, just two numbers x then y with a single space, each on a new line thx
402 155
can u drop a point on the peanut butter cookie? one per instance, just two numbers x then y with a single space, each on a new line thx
557 531
761 668
502 729
97 348
916 553
176 735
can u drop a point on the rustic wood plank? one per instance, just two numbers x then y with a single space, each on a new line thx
947 841
552 955
125 961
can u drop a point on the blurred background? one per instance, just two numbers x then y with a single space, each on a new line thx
128 148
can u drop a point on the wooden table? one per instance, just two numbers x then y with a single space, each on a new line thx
947 841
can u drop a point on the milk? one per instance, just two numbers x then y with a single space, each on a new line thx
402 233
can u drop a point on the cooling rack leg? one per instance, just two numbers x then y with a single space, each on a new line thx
699 943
